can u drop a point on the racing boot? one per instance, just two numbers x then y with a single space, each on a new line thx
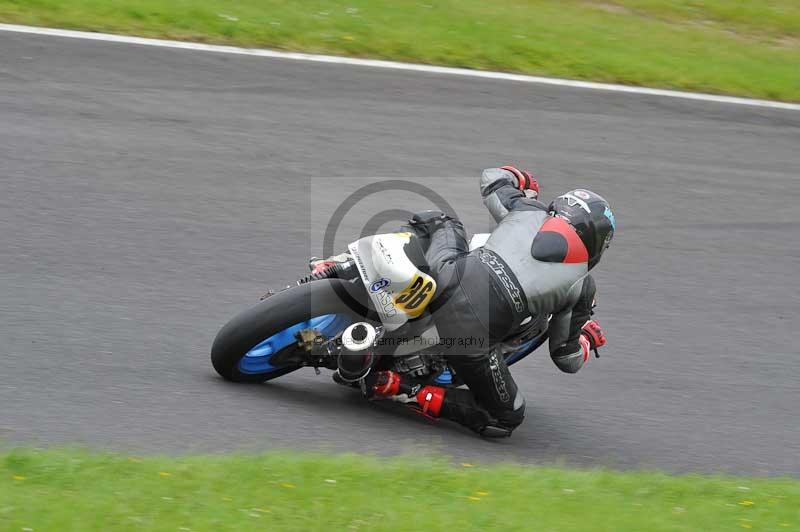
433 402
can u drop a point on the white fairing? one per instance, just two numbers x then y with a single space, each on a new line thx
398 289
478 240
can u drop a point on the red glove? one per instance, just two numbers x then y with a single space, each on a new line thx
592 337
525 181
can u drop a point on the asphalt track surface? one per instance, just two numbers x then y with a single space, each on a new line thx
147 195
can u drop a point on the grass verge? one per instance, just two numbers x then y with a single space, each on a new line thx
724 46
78 490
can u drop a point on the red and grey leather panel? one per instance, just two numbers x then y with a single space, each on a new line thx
549 287
558 242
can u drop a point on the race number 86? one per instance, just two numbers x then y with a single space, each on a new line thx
416 297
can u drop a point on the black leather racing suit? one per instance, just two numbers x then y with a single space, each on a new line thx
511 285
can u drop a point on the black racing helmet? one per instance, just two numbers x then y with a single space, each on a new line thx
591 217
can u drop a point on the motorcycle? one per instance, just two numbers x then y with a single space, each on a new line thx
366 313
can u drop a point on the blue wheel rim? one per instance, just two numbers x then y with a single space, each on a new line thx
257 360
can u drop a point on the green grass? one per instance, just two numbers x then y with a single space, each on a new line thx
739 47
77 490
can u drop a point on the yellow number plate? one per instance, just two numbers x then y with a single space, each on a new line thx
413 299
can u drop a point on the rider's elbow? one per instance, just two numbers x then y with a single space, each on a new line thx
494 178
569 363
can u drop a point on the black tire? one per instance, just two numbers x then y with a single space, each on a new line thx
278 312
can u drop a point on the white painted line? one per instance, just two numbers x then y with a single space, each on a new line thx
413 67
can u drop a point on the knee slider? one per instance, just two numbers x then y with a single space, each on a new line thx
505 423
509 417
512 418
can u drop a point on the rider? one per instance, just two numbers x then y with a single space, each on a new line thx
534 265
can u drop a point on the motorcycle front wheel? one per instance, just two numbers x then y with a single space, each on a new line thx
259 344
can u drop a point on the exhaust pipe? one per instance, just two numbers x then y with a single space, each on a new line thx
357 358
